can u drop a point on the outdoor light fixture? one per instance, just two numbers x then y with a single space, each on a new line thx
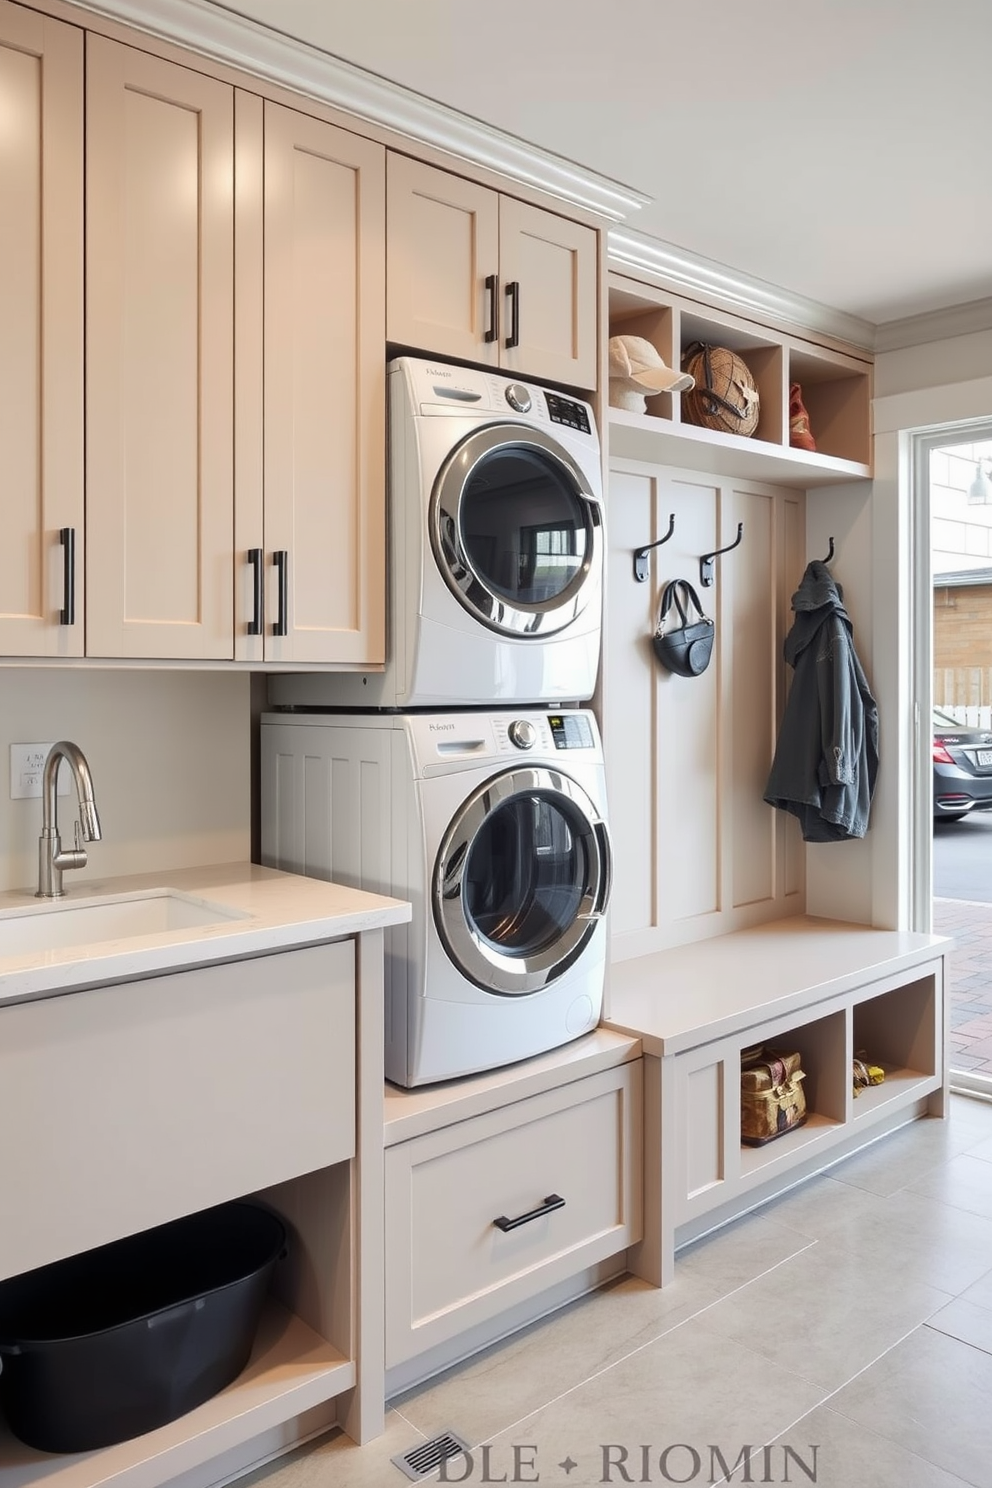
980 490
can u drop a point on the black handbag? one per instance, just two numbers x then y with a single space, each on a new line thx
687 649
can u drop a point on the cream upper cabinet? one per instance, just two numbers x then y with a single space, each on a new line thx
479 276
310 435
159 365
41 346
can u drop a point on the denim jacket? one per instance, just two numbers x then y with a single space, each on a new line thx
826 759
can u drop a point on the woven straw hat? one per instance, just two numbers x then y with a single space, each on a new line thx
725 396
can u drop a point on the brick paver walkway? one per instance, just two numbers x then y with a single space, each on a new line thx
970 923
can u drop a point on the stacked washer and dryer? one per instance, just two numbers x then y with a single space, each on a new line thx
462 777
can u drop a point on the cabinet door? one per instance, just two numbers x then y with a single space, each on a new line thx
324 392
41 346
443 245
159 357
549 278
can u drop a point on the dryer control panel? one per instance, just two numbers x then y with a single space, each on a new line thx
565 411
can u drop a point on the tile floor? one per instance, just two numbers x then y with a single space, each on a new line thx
970 981
852 1316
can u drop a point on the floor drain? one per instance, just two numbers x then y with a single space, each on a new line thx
424 1461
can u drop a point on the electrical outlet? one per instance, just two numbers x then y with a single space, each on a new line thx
27 767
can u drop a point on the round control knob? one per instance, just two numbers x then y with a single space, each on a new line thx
522 733
518 397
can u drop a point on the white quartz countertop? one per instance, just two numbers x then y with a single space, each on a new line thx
258 910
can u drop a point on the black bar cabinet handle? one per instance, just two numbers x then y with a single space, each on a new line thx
513 290
67 614
492 290
553 1201
254 626
281 560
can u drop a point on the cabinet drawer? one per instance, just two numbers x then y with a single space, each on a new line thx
140 1102
449 1266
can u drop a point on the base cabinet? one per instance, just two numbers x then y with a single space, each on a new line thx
139 1102
830 991
485 1213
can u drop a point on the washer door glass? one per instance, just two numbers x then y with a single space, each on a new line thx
517 530
522 880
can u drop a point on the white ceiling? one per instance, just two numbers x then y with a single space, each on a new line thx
839 150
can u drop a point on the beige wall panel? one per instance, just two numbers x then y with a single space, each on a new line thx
698 851
554 261
324 392
41 312
169 751
748 576
690 824
443 242
629 723
159 357
791 852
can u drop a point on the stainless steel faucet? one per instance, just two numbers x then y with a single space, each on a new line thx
52 861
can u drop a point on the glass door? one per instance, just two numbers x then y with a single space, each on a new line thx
517 531
522 880
960 732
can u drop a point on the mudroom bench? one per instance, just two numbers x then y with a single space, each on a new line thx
826 988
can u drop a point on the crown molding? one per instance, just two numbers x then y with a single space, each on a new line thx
702 278
227 37
934 325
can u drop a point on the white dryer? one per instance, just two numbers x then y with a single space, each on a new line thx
495 504
494 826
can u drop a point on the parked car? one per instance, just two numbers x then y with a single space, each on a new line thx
962 768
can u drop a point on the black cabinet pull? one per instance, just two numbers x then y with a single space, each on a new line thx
67 614
553 1201
492 290
254 626
281 560
513 290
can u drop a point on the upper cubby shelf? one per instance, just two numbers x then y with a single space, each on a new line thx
836 390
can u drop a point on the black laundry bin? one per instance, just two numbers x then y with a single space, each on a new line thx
112 1343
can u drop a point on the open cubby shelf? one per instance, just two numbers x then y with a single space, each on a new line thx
836 387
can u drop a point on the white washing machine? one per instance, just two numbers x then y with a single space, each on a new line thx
494 826
495 503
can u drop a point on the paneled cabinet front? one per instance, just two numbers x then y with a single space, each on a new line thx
487 1212
481 277
234 404
310 389
41 345
159 366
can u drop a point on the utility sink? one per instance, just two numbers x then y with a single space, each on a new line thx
83 922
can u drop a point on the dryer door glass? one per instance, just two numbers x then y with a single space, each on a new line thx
522 880
517 530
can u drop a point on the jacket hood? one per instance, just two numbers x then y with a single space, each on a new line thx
818 597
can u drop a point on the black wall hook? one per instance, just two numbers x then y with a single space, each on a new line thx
641 568
706 562
830 556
